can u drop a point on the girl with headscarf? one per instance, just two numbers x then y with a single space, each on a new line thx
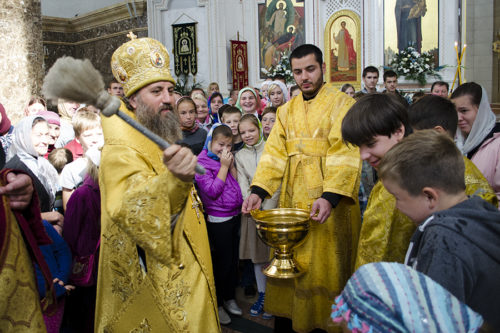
30 143
251 246
221 196
478 135
215 101
277 93
248 102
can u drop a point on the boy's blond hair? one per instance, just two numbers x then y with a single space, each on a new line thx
59 157
426 158
85 119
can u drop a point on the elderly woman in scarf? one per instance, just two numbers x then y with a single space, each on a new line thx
478 135
391 297
30 143
66 110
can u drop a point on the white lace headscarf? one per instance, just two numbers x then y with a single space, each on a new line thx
22 146
482 126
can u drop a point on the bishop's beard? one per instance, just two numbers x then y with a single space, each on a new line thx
164 124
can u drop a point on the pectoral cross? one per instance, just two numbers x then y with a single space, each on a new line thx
131 35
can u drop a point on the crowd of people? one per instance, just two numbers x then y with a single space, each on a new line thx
402 191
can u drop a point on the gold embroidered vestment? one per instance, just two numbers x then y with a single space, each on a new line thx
306 154
139 196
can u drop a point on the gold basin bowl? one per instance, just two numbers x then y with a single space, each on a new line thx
283 229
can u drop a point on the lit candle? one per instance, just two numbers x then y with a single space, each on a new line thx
458 67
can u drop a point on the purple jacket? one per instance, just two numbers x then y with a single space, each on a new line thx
82 221
221 199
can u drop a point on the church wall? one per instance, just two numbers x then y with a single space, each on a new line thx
372 35
22 54
95 35
72 8
220 21
479 39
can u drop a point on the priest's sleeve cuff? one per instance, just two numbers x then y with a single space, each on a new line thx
260 192
333 198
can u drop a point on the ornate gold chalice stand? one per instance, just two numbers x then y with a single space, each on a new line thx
282 229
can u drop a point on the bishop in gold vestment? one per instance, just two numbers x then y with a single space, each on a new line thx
386 232
169 287
306 154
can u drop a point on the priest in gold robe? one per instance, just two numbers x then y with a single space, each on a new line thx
305 152
155 269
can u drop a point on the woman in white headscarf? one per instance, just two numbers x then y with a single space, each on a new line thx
30 143
277 93
478 135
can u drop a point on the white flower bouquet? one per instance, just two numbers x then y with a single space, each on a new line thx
282 68
415 66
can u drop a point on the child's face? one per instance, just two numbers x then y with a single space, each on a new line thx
213 88
373 151
187 114
268 123
220 144
201 110
232 120
417 208
215 104
276 96
248 102
91 138
249 133
54 132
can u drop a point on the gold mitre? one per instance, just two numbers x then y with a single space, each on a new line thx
139 62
